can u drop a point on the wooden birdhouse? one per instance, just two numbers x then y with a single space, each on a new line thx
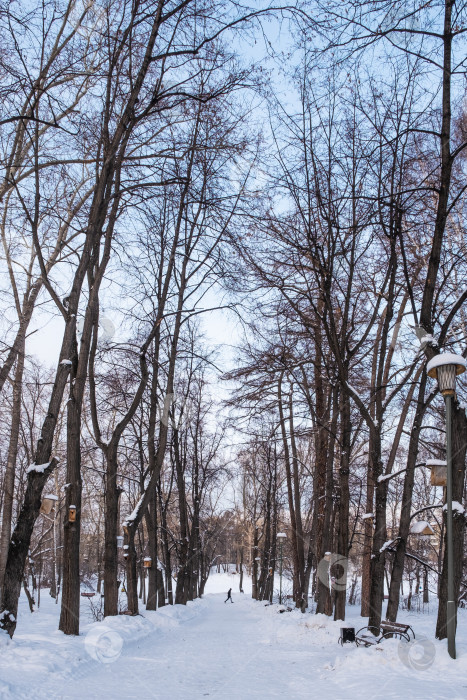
48 503
439 472
422 529
72 514
147 562
369 517
439 476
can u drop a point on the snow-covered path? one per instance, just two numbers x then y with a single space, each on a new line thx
209 649
216 650
244 650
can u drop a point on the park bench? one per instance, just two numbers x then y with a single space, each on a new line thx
368 636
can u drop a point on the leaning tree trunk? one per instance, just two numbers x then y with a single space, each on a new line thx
19 546
29 512
10 471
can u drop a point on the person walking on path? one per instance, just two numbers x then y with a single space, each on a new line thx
229 596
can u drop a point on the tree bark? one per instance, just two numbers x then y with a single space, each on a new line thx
459 449
406 507
10 471
344 500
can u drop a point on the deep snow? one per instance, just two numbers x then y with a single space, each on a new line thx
221 650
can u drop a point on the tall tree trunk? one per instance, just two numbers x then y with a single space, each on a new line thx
151 526
10 471
344 499
298 511
254 565
378 559
321 472
290 493
132 572
406 507
69 615
112 495
459 449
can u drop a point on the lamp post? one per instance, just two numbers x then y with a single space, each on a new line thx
445 368
281 537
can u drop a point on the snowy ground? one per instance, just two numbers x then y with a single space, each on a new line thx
224 651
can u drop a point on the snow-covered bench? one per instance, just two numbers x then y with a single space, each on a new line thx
368 636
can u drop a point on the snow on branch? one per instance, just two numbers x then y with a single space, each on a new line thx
132 517
428 339
456 506
39 468
386 545
386 477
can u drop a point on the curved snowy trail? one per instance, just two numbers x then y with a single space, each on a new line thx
209 649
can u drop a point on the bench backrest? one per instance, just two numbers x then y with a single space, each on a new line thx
394 626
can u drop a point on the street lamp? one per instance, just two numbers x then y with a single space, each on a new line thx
281 537
445 368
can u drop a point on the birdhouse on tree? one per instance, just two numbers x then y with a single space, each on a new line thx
48 503
72 514
439 472
147 561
